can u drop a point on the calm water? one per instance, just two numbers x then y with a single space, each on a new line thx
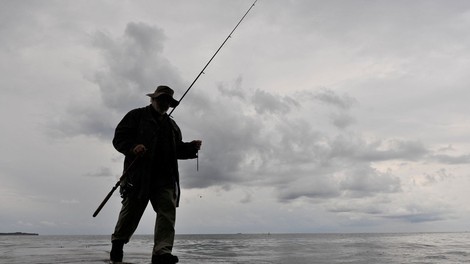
439 248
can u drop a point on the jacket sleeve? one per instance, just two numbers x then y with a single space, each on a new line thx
126 133
184 150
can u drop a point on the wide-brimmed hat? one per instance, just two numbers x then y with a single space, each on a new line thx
166 91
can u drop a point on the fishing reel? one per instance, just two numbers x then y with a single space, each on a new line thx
126 188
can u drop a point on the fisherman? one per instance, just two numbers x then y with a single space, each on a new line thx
152 140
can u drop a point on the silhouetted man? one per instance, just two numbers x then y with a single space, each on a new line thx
152 140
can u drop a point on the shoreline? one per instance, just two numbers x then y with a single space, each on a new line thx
19 234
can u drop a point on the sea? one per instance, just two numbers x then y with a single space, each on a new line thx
442 248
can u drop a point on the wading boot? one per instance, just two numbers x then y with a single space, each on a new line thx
164 259
117 252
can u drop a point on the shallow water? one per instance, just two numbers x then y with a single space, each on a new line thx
439 248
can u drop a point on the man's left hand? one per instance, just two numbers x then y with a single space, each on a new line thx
197 144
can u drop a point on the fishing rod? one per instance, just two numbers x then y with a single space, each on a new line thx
223 43
123 176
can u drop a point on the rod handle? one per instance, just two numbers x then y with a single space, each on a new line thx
105 201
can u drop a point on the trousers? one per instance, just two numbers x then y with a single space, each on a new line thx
164 204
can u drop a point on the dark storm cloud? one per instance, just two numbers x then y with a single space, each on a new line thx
84 119
355 148
247 145
419 217
328 96
230 136
393 149
437 176
318 191
367 181
133 66
265 102
411 212
234 91
342 120
447 159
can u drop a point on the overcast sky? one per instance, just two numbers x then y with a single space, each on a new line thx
316 116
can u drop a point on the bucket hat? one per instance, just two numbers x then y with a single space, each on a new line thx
164 90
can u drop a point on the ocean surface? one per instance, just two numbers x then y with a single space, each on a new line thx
439 248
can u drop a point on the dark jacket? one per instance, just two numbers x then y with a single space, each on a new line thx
158 166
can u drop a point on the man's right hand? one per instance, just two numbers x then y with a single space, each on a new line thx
139 149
